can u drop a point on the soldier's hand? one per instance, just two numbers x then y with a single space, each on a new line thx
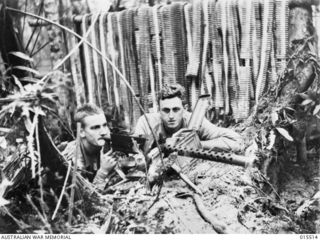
171 141
108 163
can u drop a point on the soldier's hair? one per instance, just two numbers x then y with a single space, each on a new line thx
171 91
87 110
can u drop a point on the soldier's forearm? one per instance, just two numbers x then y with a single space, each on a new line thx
222 144
101 179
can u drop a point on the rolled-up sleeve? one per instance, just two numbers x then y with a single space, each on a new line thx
214 137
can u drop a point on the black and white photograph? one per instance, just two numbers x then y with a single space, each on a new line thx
159 117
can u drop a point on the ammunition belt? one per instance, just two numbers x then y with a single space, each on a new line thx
96 63
204 77
114 52
143 50
188 17
87 63
156 47
197 45
75 62
256 41
245 77
179 42
103 30
125 97
168 49
281 33
131 62
268 9
233 44
216 55
196 29
224 26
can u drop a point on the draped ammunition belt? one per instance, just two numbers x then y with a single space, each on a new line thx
256 41
190 85
216 43
233 44
196 29
87 63
76 71
143 51
245 77
204 75
155 31
126 98
246 9
114 30
225 48
114 52
194 53
131 67
103 41
168 49
281 33
224 22
97 62
179 42
245 72
268 9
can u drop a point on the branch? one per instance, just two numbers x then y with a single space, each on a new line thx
74 176
104 57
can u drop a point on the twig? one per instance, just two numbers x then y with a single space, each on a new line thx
39 172
20 223
273 189
105 58
30 146
186 179
104 228
11 99
44 221
34 30
75 48
158 195
119 183
76 158
39 49
62 191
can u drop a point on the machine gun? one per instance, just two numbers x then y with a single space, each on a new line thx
187 144
217 156
125 143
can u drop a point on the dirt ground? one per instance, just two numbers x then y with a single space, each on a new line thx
233 197
242 200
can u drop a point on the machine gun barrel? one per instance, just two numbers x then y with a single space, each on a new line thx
224 157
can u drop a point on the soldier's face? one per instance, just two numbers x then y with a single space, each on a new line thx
171 112
94 130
